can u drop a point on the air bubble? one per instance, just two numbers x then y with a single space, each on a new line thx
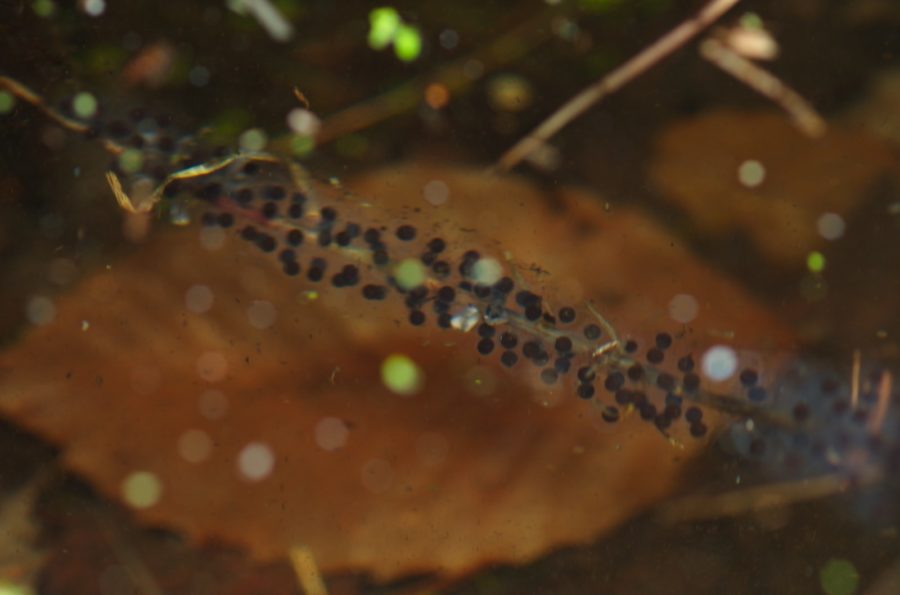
253 140
199 76
261 314
213 404
509 93
131 160
195 446
84 105
331 433
719 363
448 39
212 238
486 271
40 310
409 274
255 461
62 272
212 366
303 122
401 375
751 173
94 8
683 308
141 489
437 96
436 193
831 226
199 299
815 261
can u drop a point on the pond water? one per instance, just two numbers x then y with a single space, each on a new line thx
279 317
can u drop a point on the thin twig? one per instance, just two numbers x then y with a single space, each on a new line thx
610 330
29 96
270 18
613 81
307 571
884 400
739 502
765 83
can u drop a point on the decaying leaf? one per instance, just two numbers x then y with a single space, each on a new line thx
481 466
753 172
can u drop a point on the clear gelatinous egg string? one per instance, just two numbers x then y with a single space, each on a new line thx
804 422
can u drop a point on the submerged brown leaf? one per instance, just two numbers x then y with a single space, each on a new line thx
481 466
790 180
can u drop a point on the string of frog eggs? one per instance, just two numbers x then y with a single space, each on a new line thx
806 422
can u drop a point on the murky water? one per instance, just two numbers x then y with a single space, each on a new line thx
307 324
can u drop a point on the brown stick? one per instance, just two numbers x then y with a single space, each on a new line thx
613 81
758 498
28 96
766 84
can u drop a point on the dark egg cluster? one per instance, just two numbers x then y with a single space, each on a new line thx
145 143
512 323
261 200
634 384
829 423
805 421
